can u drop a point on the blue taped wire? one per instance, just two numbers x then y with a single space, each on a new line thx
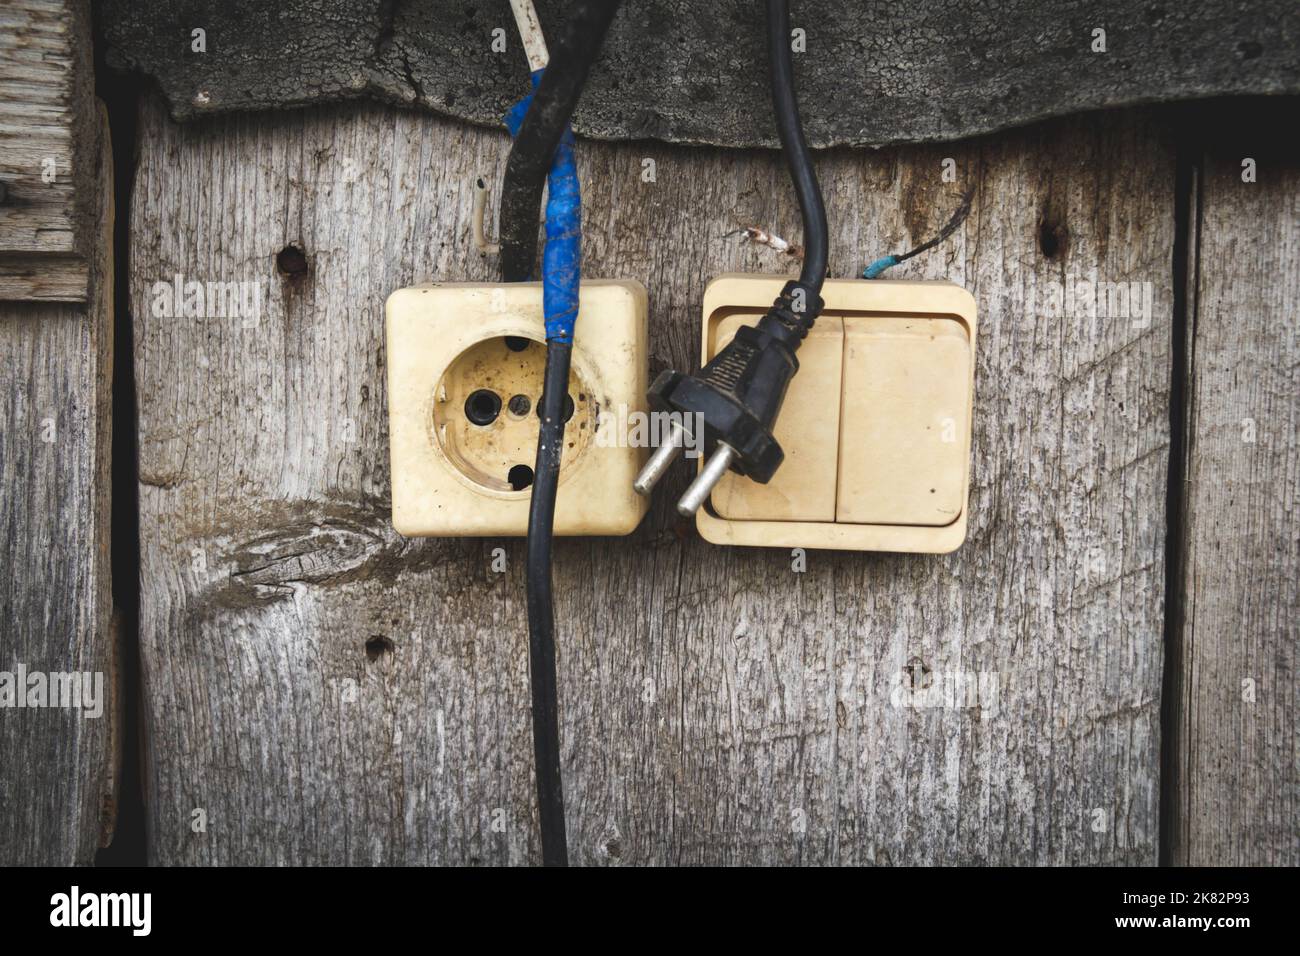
562 255
880 265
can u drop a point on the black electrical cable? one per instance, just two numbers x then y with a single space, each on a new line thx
578 41
739 393
815 236
541 613
548 116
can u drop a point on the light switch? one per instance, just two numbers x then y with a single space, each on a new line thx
875 426
906 408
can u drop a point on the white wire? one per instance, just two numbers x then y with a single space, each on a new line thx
530 32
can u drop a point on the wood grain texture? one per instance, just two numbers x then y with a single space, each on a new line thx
1238 740
689 72
58 768
327 692
48 150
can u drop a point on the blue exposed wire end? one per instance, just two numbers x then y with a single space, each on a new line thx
874 270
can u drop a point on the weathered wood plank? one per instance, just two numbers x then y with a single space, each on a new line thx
48 150
43 278
716 705
58 766
1236 773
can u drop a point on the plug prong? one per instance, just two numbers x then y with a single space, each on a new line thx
663 457
710 475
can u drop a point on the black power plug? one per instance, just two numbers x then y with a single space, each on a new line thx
739 394
736 397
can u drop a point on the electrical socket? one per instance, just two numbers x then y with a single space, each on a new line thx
463 361
875 426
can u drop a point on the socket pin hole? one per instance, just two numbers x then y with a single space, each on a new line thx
483 406
520 477
516 343
519 405
568 407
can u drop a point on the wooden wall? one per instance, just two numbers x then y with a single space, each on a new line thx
1236 788
317 689
717 706
49 132
59 767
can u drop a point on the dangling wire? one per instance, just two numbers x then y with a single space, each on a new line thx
880 265
765 237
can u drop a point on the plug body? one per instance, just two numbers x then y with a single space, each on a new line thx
737 396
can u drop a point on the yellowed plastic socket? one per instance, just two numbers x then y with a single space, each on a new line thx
451 345
875 426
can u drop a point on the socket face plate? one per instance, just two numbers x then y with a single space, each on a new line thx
462 359
485 412
878 433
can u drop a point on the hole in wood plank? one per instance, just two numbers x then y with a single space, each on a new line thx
377 646
292 262
1053 237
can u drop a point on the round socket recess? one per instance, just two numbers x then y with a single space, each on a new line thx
482 425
